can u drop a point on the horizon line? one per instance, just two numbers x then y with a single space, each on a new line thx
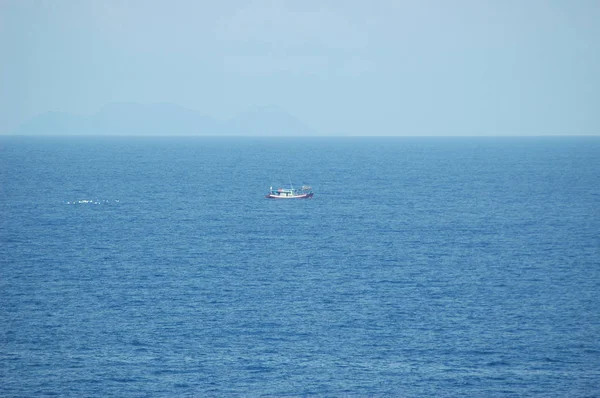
511 135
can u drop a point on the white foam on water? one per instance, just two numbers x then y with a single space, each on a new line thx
92 202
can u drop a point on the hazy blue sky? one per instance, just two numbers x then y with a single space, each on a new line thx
343 67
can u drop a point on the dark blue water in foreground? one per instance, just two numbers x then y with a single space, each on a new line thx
422 267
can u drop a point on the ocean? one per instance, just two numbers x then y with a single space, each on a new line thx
155 267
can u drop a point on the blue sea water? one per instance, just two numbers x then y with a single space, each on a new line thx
138 267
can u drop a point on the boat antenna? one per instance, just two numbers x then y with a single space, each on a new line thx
289 178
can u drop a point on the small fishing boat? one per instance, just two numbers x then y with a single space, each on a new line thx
290 193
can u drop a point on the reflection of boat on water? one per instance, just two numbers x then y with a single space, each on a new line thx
290 193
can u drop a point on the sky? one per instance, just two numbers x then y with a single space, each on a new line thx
400 67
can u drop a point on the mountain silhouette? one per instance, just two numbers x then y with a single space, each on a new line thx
164 119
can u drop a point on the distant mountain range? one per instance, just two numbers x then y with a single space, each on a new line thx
165 119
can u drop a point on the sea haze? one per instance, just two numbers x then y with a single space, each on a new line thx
422 267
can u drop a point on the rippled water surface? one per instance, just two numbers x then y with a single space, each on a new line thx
421 267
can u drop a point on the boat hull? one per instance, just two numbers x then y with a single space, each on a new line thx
303 196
